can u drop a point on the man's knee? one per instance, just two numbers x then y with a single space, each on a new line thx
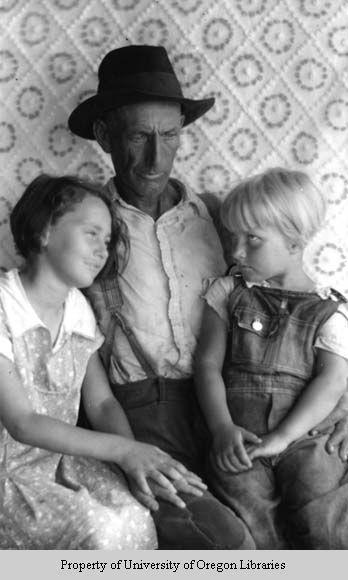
205 523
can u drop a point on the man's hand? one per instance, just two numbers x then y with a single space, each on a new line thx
338 418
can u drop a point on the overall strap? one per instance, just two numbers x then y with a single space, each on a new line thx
113 303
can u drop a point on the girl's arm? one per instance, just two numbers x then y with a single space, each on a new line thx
315 403
228 438
138 460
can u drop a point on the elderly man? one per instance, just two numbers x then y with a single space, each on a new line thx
150 309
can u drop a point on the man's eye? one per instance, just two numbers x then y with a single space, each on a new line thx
138 137
171 134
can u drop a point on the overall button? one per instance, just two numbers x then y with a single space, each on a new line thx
256 324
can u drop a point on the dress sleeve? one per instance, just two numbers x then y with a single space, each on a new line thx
5 338
333 335
217 293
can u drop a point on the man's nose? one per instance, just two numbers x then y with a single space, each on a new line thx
154 151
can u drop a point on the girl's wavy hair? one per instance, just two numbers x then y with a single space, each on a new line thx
45 200
280 198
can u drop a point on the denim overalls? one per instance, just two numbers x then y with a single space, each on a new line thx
269 360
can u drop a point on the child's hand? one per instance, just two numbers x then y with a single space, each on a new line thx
142 462
229 448
272 444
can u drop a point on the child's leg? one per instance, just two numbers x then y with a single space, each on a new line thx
315 495
254 498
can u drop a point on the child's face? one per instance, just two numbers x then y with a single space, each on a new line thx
75 248
263 254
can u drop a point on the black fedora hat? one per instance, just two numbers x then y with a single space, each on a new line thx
134 74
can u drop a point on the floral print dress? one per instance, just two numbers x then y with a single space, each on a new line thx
49 500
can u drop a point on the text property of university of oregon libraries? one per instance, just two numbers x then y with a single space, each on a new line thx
200 564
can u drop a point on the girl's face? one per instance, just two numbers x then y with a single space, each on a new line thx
264 254
76 246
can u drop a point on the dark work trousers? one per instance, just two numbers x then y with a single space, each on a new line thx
164 412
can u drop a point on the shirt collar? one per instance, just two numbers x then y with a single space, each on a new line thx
23 317
187 195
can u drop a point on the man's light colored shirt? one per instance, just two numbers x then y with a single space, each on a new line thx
161 286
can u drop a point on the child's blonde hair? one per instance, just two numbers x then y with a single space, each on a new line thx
280 198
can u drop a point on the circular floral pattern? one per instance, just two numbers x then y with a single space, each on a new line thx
7 137
66 4
275 110
125 4
338 40
34 28
214 178
305 148
153 31
246 70
95 31
189 68
62 67
92 171
336 185
187 6
278 36
217 33
251 7
7 5
243 144
60 141
336 114
27 169
30 102
315 8
188 146
219 112
8 66
310 74
329 259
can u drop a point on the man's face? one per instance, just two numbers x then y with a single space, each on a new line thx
143 140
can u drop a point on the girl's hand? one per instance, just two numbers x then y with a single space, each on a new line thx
142 462
190 484
229 448
272 444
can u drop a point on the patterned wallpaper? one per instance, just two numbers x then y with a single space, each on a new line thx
278 70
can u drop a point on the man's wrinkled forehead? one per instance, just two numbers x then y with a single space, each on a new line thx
145 112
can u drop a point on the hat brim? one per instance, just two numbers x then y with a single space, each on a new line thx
82 118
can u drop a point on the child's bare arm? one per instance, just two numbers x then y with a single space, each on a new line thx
228 438
315 403
139 460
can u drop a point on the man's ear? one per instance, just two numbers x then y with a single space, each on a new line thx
182 121
101 134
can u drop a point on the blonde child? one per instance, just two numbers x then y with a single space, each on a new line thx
55 490
271 364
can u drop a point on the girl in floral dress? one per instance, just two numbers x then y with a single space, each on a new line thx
56 492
